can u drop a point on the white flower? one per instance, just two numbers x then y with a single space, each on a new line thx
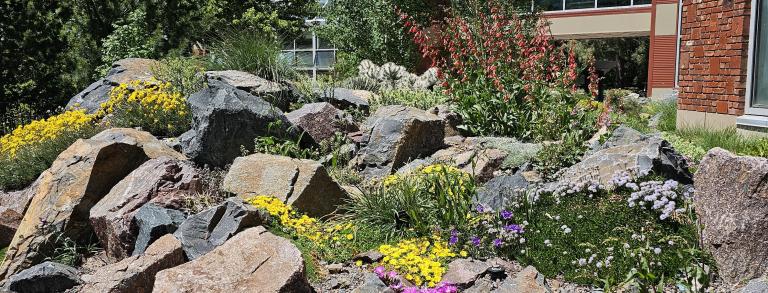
626 245
522 240
548 243
657 250
582 262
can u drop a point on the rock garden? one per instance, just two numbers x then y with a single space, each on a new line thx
492 171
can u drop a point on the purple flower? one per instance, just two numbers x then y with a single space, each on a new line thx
379 271
506 215
514 228
476 240
480 208
392 275
454 237
497 242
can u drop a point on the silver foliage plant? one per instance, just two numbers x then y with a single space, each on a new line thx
392 76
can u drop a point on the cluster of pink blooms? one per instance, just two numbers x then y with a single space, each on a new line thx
392 279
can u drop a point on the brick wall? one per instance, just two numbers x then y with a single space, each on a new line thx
713 56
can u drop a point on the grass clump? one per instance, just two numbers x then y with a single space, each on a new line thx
694 142
2 253
30 149
435 196
251 51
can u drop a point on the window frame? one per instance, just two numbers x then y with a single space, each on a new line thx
751 60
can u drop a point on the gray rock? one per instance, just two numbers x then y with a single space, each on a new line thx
397 135
153 222
624 135
136 273
451 119
529 280
322 121
463 272
372 284
304 184
9 222
122 71
203 232
277 94
480 286
226 118
731 201
164 181
44 278
369 257
348 99
650 154
756 286
252 261
501 192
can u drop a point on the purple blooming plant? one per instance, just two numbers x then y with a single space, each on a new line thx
506 215
392 280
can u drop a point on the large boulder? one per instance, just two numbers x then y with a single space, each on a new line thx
649 154
64 194
122 71
252 261
397 135
463 272
225 119
153 222
304 184
44 278
136 273
529 280
277 94
731 201
203 232
164 181
322 121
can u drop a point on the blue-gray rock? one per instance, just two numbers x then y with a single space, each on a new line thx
756 286
348 99
372 284
226 118
46 277
153 222
396 135
322 121
201 233
277 94
122 71
501 192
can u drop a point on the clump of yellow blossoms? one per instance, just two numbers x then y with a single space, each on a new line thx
419 260
152 105
43 130
439 170
303 225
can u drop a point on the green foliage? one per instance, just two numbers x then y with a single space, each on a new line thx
2 253
250 51
597 238
32 63
421 99
184 74
694 142
130 39
16 115
281 147
370 29
558 155
436 196
630 56
22 169
668 114
69 252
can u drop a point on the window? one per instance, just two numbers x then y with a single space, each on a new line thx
309 53
559 5
758 101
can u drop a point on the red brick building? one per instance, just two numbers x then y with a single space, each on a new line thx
716 66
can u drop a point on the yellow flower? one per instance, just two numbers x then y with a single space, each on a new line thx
350 236
44 130
359 263
463 253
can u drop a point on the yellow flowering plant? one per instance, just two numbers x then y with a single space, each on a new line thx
419 260
29 149
155 106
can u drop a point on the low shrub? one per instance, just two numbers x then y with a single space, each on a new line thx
153 106
422 99
555 156
667 110
184 74
435 196
31 149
